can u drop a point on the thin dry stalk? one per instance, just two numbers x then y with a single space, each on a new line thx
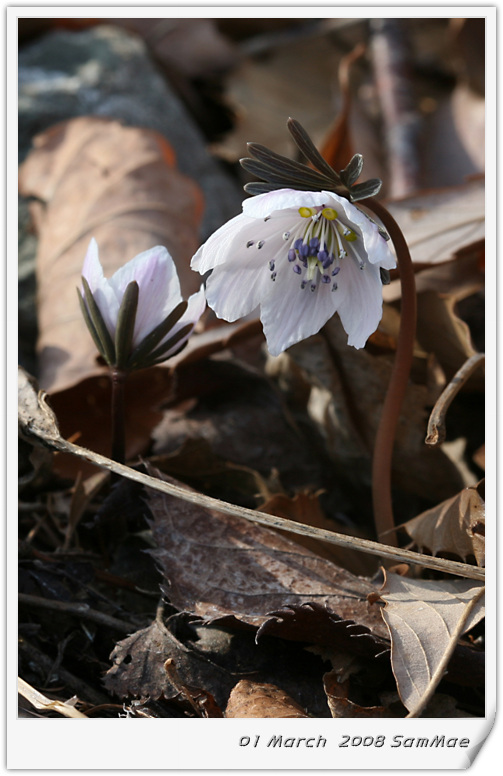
436 425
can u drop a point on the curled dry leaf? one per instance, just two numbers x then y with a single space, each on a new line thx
139 667
97 178
340 705
455 526
320 625
256 699
421 616
219 567
440 331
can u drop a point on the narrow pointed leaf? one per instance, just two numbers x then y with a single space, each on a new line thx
90 325
161 359
160 354
125 324
306 145
259 188
148 344
294 178
353 170
283 164
107 346
283 180
366 189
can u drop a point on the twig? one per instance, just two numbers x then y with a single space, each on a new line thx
79 610
441 668
35 657
436 425
385 437
272 521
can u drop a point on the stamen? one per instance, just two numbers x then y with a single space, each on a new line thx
325 278
286 235
250 243
334 287
306 212
271 265
336 271
297 269
273 276
260 244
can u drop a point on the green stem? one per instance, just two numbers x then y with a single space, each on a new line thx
385 437
118 415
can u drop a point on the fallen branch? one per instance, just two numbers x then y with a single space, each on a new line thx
79 610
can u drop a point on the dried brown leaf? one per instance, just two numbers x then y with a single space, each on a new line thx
305 508
442 332
319 625
220 566
345 387
256 699
460 277
439 223
455 526
35 418
421 616
139 668
342 707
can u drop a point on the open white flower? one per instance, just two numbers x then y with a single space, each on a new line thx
137 317
301 256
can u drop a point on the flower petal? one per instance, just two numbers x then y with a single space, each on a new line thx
291 313
377 248
228 238
264 205
103 294
155 272
361 301
236 287
92 269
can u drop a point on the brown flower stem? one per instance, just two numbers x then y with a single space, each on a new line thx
385 437
118 416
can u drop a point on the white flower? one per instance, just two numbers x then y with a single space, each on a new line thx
301 256
138 317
